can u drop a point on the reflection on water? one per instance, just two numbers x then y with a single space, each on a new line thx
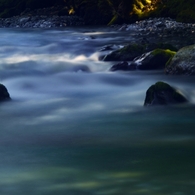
74 128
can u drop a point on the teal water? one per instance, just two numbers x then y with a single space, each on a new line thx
73 132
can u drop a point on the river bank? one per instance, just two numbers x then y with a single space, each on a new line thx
74 127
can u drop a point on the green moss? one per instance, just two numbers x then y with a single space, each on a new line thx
167 52
132 48
163 56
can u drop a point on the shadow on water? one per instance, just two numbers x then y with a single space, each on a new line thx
147 151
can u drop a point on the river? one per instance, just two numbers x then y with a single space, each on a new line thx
75 128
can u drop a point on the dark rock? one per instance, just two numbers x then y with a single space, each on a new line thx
166 25
127 53
183 62
153 60
4 95
163 94
110 47
123 66
40 19
133 50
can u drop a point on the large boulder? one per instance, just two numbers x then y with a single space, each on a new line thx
134 50
152 60
183 62
4 95
155 59
163 94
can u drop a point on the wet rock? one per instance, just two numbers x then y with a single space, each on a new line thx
124 66
163 94
153 60
133 50
110 47
24 19
183 62
4 95
127 53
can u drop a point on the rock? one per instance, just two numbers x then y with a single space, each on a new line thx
127 53
183 62
123 66
163 94
133 50
160 25
4 95
40 21
110 47
153 60
24 19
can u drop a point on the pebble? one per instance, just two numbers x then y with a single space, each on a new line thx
159 25
41 18
40 21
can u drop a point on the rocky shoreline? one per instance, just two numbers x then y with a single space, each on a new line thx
159 25
162 29
159 43
51 17
169 37
40 21
41 18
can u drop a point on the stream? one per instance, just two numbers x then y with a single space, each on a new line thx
75 128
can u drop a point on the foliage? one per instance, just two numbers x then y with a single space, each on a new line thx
108 11
181 10
10 8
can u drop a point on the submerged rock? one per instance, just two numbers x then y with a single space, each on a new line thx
163 94
4 95
183 62
155 59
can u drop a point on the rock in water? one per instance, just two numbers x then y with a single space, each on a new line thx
4 95
127 53
183 62
163 94
155 59
125 66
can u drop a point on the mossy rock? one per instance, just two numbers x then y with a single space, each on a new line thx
127 53
162 93
155 59
133 50
183 62
4 95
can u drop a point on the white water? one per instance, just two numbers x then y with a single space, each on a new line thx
73 127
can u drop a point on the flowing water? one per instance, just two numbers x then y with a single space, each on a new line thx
75 128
